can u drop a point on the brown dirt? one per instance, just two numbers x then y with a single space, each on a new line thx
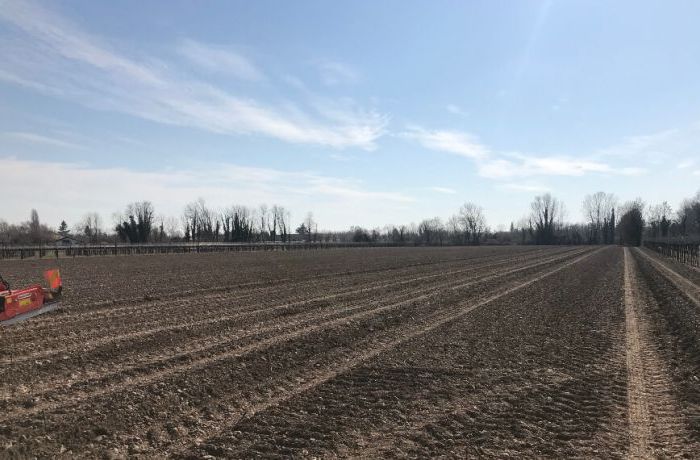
383 352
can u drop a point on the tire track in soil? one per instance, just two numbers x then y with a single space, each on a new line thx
53 321
637 399
409 333
656 430
687 287
100 317
669 325
108 305
139 381
209 344
223 341
83 343
166 300
370 400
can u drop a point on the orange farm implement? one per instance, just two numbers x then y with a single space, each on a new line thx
17 305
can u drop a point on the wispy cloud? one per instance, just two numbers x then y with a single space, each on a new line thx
335 73
524 166
658 146
220 59
58 58
687 163
445 190
526 187
502 165
169 189
455 142
456 110
39 139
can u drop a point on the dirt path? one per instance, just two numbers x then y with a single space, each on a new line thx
637 397
686 286
657 428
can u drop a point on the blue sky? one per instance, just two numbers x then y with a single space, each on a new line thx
366 113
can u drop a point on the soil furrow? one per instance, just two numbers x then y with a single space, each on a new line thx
209 358
637 395
62 344
93 319
436 322
687 287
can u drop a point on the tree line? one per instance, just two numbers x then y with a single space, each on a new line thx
607 221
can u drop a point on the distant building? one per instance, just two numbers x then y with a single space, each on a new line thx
67 241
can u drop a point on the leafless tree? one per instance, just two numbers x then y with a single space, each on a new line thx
283 218
136 224
660 219
431 231
454 226
598 209
200 221
90 227
311 225
275 219
689 216
172 228
546 214
473 221
263 215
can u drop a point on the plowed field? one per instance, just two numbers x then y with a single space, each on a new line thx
402 352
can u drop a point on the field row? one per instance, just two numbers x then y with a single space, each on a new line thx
383 352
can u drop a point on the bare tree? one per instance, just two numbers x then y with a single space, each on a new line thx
273 223
283 217
200 221
598 209
660 219
311 225
90 227
263 214
431 231
546 214
172 228
136 224
689 216
473 221
454 226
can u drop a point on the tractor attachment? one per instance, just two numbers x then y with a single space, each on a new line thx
21 304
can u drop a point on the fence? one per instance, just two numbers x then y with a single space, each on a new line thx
687 253
25 252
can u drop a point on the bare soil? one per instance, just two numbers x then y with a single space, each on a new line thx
363 353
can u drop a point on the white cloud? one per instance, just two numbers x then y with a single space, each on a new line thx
39 139
455 142
58 58
445 190
335 73
562 166
526 187
220 59
656 148
687 163
524 166
105 190
498 165
456 110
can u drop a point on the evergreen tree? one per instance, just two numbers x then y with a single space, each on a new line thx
63 229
